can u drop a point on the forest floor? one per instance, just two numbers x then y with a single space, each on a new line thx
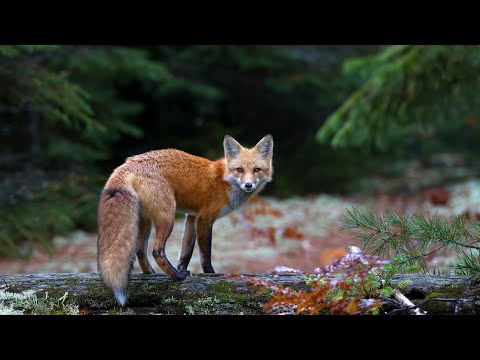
301 233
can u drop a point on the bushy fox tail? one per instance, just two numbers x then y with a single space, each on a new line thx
118 229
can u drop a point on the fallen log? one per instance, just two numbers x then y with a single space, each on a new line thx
203 293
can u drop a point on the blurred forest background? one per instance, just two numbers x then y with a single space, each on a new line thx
346 120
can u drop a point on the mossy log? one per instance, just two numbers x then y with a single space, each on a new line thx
213 293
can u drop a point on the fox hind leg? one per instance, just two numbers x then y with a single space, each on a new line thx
158 203
163 228
142 249
188 243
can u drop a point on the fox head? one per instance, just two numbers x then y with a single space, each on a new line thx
249 169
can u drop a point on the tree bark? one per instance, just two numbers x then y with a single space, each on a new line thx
216 293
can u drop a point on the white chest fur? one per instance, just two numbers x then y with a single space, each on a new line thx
237 198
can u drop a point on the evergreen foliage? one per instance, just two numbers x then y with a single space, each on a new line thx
77 111
407 92
71 113
413 237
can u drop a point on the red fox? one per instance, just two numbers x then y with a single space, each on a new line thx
150 187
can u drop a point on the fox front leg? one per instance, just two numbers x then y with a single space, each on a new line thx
204 238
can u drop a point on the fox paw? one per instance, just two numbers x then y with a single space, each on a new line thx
149 271
184 272
208 270
181 275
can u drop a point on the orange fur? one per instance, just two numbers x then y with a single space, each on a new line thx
149 188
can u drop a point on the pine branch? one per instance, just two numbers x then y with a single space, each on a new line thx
413 236
401 90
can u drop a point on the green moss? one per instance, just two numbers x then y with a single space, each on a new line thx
14 289
265 293
148 294
170 301
222 298
57 312
158 289
114 311
205 306
52 293
224 289
59 292
96 297
165 297
451 291
215 306
120 311
72 281
239 302
208 275
439 307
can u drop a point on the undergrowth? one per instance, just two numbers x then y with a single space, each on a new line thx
29 303
351 285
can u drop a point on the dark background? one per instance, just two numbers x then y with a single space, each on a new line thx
340 115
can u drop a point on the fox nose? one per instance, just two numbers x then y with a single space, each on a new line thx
248 185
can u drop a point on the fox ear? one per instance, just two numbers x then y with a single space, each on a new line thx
231 146
265 146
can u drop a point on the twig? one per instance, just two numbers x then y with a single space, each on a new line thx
392 301
402 309
413 309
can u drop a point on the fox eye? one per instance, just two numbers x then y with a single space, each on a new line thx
256 170
240 170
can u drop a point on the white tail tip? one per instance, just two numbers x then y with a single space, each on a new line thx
121 296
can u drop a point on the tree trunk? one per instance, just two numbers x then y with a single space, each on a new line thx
201 294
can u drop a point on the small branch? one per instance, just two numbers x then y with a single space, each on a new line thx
402 309
392 301
413 309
